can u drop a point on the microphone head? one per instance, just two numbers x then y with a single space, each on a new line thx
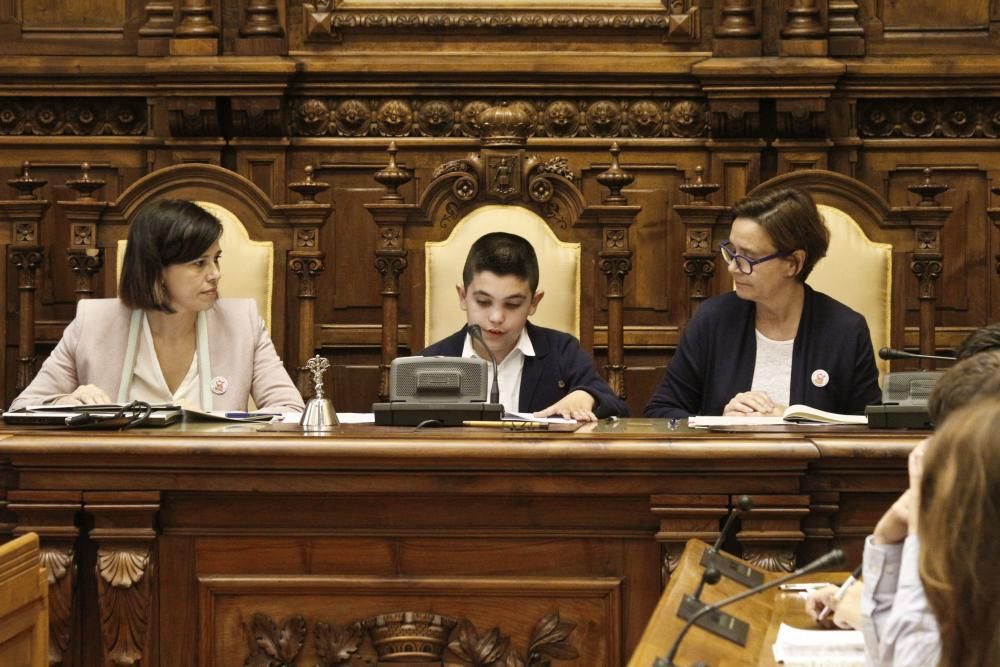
711 575
887 353
745 503
475 331
834 558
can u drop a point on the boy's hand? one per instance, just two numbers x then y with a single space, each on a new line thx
578 405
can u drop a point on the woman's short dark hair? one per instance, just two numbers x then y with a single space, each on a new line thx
791 220
163 232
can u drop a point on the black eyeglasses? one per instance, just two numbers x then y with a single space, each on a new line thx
744 264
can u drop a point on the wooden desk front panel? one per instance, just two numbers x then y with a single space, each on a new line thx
563 541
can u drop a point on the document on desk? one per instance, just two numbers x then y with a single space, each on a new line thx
819 648
528 417
793 414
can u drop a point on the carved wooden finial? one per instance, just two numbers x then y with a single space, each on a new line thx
615 178
392 176
928 190
699 190
25 184
85 186
309 188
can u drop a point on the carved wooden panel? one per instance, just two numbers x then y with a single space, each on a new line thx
461 621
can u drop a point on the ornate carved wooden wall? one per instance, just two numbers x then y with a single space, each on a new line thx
745 89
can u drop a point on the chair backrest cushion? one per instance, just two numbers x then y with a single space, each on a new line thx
559 270
857 272
247 265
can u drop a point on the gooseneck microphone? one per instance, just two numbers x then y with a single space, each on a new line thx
888 353
834 558
711 574
476 332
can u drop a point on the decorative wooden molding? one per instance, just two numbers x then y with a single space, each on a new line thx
803 21
193 117
159 19
678 20
83 215
408 636
771 531
683 518
78 116
927 219
846 36
124 532
699 219
952 118
457 117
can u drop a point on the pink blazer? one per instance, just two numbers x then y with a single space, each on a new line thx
92 351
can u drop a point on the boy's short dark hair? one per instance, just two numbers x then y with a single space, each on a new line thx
791 220
163 232
980 340
969 380
503 254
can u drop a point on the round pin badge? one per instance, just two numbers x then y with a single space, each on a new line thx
820 378
219 385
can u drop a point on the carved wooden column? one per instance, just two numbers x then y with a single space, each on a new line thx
684 518
83 215
699 219
261 32
847 37
197 33
307 261
771 532
391 215
125 570
738 30
52 514
614 217
926 219
25 215
155 33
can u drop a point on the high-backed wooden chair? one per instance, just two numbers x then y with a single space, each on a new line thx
503 187
875 249
24 604
263 244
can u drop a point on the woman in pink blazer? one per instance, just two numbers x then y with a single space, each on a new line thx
168 338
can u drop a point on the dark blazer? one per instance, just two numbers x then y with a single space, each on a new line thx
717 353
560 366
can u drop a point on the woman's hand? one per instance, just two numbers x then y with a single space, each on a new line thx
88 394
894 525
846 611
752 404
916 470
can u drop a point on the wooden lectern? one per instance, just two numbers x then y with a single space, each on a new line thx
764 613
24 608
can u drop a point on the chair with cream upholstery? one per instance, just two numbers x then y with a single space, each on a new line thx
559 275
857 272
247 265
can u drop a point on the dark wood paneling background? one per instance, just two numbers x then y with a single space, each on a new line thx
747 89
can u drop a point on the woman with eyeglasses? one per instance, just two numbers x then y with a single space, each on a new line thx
168 337
773 341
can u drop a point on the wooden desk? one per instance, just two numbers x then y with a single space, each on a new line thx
188 542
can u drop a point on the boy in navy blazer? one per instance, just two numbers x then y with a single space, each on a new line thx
541 370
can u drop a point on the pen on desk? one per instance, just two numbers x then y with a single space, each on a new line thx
507 424
842 591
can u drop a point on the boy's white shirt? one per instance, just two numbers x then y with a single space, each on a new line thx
510 369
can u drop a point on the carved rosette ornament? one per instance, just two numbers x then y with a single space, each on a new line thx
72 116
123 587
557 118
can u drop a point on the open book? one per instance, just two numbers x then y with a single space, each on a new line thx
792 414
819 648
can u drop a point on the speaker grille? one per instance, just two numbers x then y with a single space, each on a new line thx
437 380
909 387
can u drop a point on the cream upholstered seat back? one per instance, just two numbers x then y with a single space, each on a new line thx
857 272
559 269
247 265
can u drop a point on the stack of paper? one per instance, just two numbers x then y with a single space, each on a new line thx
819 648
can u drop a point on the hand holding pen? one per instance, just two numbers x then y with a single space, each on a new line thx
821 602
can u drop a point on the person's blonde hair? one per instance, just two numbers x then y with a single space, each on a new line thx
959 528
